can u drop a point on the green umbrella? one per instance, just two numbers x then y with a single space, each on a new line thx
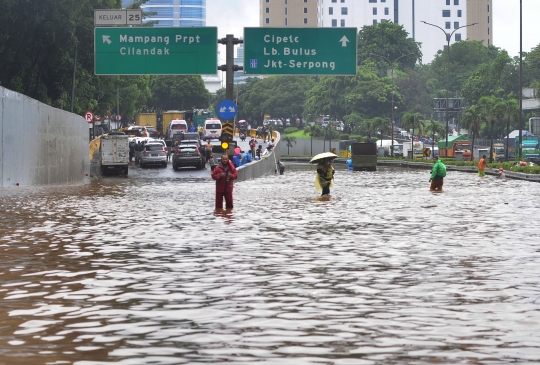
323 155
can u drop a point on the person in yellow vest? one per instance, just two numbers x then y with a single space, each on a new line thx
325 176
482 166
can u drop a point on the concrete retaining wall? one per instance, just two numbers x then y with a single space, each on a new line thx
40 145
265 166
303 147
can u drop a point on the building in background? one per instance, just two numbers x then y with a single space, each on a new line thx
176 13
447 14
180 13
289 13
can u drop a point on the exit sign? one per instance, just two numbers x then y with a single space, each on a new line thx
155 51
300 51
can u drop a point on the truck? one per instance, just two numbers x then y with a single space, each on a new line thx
498 151
386 144
147 119
529 148
364 156
418 150
167 117
199 116
114 148
455 143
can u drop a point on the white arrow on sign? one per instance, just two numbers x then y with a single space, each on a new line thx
222 109
344 41
231 109
106 38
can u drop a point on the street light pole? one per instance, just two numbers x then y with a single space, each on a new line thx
520 78
448 38
392 122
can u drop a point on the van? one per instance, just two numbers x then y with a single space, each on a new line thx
176 125
212 129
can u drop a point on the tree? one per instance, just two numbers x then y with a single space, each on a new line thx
499 78
490 109
179 93
472 119
390 40
417 91
279 96
382 124
413 121
433 128
509 111
465 57
290 141
37 48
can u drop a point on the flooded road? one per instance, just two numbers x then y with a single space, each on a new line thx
141 270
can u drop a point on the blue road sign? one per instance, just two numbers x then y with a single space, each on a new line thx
227 109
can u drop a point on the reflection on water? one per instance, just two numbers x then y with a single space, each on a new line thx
138 271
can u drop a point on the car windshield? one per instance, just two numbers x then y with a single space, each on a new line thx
154 147
178 126
213 126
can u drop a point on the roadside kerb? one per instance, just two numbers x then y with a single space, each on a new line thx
428 166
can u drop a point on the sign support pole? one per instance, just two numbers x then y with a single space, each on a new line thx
229 41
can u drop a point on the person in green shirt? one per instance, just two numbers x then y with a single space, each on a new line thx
438 172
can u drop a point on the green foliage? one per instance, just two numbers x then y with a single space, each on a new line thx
344 137
179 93
279 96
498 78
465 58
416 90
290 130
390 40
413 121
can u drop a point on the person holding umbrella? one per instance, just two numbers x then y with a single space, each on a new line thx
324 179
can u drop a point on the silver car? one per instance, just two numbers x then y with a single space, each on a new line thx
153 153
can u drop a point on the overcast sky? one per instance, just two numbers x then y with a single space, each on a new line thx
231 16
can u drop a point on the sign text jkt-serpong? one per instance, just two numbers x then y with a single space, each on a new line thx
300 51
155 51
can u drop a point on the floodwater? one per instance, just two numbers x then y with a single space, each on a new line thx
143 271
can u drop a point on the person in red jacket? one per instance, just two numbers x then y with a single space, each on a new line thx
224 174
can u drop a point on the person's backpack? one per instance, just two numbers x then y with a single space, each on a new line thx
442 170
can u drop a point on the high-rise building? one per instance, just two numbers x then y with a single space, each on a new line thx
288 13
176 13
179 13
447 14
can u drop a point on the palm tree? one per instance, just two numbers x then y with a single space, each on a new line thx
491 110
413 121
381 124
472 119
510 112
367 126
434 128
290 141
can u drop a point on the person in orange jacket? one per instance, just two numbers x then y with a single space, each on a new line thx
224 173
482 166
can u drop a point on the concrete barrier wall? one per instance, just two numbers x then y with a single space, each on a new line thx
303 147
40 144
265 166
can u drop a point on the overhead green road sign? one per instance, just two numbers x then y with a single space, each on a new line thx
155 51
300 51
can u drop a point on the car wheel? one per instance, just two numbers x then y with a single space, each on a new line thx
175 168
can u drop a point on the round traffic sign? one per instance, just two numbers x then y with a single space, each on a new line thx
89 116
227 109
118 117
